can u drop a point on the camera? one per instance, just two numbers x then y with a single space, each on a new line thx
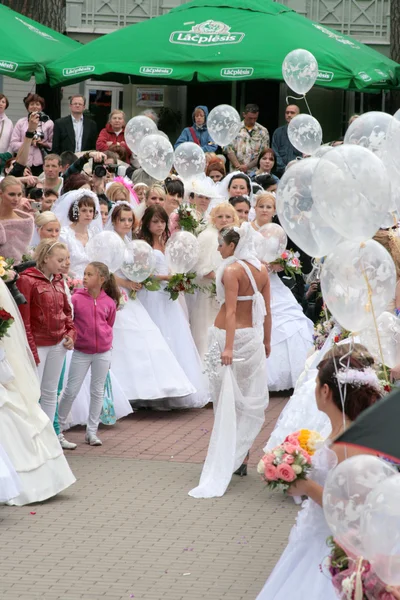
112 168
43 118
99 170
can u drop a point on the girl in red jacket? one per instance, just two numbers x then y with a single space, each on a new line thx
47 318
95 308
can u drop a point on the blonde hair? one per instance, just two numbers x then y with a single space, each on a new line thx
225 206
44 218
389 240
157 189
114 189
8 181
265 196
117 111
46 248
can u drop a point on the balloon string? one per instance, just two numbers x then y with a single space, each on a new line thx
299 98
375 324
358 589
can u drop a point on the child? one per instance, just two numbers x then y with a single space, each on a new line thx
95 308
47 318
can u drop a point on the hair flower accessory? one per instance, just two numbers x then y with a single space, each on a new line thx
367 377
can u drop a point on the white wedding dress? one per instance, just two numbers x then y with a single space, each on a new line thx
298 573
204 307
143 363
10 485
169 317
79 413
26 433
291 338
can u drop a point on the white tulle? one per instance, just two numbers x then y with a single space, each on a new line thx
62 205
26 433
79 258
291 338
298 574
240 398
170 319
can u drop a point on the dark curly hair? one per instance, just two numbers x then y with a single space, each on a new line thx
34 98
156 210
84 201
357 398
230 236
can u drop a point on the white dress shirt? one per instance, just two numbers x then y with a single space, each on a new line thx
78 129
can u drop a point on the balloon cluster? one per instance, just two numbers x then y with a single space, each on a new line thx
156 154
361 502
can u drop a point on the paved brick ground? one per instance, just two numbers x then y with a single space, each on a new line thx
128 529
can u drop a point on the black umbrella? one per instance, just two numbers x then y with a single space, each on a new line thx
377 428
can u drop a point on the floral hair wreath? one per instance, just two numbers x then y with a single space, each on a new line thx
367 377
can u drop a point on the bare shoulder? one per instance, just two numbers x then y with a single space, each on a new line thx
232 272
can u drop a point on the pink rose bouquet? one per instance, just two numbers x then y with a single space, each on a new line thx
284 464
290 262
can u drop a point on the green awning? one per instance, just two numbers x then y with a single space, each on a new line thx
27 46
217 40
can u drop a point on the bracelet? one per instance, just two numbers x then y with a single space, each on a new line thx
30 134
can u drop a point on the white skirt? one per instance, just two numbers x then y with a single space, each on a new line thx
10 485
142 361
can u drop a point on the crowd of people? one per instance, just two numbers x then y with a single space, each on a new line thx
88 346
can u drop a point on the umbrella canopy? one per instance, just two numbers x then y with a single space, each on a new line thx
377 428
27 46
222 40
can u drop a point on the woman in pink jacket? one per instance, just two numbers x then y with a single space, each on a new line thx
43 138
113 134
94 315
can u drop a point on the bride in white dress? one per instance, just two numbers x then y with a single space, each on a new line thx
205 307
9 481
80 218
168 314
298 573
26 433
292 331
147 370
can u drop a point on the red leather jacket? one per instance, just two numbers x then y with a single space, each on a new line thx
47 315
108 135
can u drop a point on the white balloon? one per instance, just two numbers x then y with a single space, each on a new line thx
189 160
156 155
305 133
275 242
106 247
321 151
351 191
139 261
298 214
356 278
369 131
223 124
300 70
385 348
182 252
136 129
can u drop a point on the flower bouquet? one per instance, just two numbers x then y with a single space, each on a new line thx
181 282
284 464
74 284
306 439
188 218
151 284
6 268
6 320
6 373
290 262
123 299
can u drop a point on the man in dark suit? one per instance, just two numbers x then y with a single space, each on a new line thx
75 133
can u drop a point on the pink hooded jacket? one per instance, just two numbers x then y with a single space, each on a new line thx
94 319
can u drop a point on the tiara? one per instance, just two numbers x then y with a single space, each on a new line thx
367 377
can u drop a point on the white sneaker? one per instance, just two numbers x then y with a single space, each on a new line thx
93 440
65 444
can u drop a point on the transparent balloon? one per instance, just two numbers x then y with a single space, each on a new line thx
321 151
305 133
275 242
391 159
106 247
358 282
139 261
380 530
136 129
298 214
383 341
369 131
182 252
300 70
156 155
189 160
345 491
223 124
351 191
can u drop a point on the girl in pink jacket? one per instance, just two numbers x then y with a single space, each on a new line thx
94 315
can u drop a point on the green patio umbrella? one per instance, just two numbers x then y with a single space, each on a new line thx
27 46
217 40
